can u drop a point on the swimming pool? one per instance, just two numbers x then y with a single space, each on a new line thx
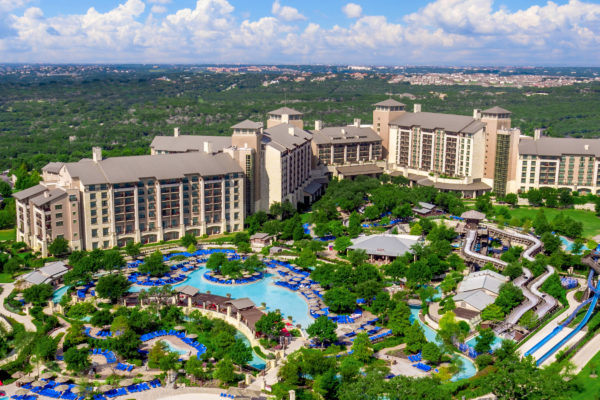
58 294
263 291
467 369
568 244
175 349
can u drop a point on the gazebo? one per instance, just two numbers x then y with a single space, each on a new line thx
472 218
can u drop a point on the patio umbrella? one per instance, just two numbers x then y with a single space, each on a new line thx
193 336
147 378
48 375
332 314
256 274
62 379
61 388
179 328
81 346
38 383
126 382
21 392
19 296
27 379
17 375
104 388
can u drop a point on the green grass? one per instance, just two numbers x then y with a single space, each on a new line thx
7 234
591 223
5 278
590 387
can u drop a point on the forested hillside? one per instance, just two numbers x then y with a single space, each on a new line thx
122 112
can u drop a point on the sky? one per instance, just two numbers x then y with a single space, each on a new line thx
357 32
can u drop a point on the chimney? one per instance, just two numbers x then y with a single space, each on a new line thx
417 108
176 132
207 147
291 130
46 194
476 113
537 134
587 146
343 132
357 122
318 125
97 154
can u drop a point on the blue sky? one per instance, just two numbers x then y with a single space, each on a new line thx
446 32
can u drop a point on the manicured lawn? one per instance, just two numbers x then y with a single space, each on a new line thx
590 386
7 234
5 278
591 223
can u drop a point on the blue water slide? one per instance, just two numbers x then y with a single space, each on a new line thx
559 328
585 320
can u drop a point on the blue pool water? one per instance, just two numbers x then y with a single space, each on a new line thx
467 370
263 291
256 361
58 294
497 343
569 244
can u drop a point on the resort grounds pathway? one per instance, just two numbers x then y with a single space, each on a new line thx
22 319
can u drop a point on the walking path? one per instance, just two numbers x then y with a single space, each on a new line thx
22 319
585 354
270 378
399 365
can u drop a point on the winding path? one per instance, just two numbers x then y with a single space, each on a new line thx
22 319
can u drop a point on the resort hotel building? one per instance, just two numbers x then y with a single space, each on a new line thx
209 184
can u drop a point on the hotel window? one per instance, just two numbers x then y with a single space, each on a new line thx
104 231
59 223
94 232
58 207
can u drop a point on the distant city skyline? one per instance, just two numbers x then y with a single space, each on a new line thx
375 32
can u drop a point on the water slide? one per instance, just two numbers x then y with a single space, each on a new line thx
560 327
579 327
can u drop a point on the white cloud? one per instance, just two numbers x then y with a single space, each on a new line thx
286 13
158 9
9 5
352 10
160 1
443 31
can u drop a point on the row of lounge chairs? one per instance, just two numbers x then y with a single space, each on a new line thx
422 367
227 396
124 367
109 355
415 357
135 388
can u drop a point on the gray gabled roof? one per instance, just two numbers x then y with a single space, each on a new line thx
35 278
185 143
390 103
496 110
30 192
427 206
556 147
47 273
242 304
247 124
284 110
345 134
477 299
187 290
48 197
279 137
385 244
448 122
53 167
473 214
485 279
160 166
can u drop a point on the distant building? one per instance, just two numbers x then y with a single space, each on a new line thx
476 291
51 273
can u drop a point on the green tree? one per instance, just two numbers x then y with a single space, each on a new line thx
188 240
354 225
133 249
59 246
112 287
270 324
362 347
399 318
551 242
340 300
112 259
415 338
529 320
492 312
323 330
38 294
484 341
154 265
127 344
342 243
225 371
77 360
509 297
158 351
513 270
512 199
432 353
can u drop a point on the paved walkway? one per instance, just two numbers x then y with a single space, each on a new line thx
22 319
270 378
585 354
399 365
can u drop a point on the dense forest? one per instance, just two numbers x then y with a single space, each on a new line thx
50 118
